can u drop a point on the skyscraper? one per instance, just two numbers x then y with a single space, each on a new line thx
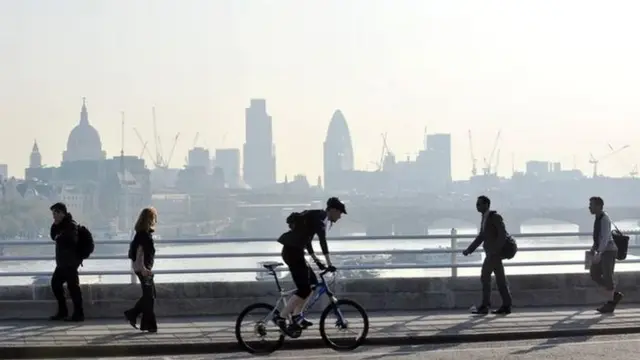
439 149
338 151
259 166
229 161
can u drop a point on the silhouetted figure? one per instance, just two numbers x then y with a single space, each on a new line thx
604 252
493 237
142 253
304 226
64 231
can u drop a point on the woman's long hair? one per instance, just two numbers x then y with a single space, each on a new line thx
146 220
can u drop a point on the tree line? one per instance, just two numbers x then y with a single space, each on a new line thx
24 218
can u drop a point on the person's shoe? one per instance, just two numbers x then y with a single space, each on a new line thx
151 330
75 318
58 316
128 315
281 323
608 308
617 297
300 320
482 310
502 310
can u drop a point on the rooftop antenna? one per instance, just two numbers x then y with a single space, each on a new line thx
424 138
122 199
122 135
513 163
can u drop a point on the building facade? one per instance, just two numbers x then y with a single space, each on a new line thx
229 161
259 168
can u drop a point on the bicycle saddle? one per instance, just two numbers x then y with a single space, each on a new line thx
271 265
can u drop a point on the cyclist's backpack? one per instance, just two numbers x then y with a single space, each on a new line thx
85 245
296 219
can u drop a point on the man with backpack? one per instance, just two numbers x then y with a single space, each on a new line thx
494 239
74 244
604 252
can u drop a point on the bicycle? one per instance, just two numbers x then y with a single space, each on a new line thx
334 307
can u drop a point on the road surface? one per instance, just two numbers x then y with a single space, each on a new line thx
619 347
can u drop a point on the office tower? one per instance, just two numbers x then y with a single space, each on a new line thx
439 149
199 158
259 168
229 161
338 152
4 171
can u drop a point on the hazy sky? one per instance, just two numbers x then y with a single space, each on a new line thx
559 77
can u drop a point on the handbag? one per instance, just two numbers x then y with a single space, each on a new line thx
622 242
509 249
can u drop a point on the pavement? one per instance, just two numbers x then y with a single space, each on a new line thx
618 347
191 336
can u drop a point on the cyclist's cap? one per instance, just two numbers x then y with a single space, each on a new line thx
335 203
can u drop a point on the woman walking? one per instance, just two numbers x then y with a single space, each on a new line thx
142 252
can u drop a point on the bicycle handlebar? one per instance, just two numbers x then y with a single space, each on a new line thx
325 272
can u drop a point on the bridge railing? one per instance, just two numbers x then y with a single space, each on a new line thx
453 249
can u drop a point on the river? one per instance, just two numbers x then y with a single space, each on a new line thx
219 263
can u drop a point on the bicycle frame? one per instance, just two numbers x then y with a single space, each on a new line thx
317 291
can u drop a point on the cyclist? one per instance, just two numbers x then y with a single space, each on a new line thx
303 226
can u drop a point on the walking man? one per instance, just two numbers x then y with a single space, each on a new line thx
493 236
604 251
64 231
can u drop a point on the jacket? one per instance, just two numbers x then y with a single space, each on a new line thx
602 235
493 235
308 224
65 235
143 241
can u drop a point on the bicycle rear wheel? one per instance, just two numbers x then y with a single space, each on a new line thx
346 313
263 326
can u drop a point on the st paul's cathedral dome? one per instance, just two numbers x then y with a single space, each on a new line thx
84 141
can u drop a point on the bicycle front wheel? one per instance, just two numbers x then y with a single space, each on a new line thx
261 327
347 317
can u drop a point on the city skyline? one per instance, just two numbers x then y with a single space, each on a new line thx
94 138
556 85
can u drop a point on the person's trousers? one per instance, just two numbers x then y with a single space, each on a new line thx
602 272
69 275
145 305
493 265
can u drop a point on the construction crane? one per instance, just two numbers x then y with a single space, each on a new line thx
173 149
384 152
144 147
474 161
593 161
156 138
488 164
195 139
158 160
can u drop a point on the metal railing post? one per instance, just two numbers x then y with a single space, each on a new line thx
454 253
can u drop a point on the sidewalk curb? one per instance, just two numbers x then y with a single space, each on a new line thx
50 352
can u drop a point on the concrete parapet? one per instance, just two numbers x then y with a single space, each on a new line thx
229 298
